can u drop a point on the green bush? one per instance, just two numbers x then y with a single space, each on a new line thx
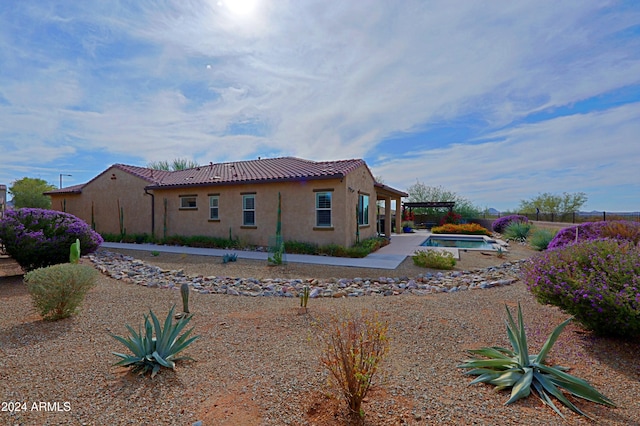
297 247
202 241
541 238
518 231
435 259
597 281
57 291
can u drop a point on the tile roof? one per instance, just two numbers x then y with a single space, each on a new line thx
75 189
258 171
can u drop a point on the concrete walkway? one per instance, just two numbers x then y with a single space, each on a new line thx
388 257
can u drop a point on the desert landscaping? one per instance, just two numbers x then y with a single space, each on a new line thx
257 359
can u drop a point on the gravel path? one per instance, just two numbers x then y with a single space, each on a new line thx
257 361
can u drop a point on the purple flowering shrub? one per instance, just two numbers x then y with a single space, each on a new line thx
36 238
500 224
596 281
617 229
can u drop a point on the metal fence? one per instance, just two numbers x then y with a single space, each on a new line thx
574 217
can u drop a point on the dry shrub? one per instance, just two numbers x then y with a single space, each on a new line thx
354 347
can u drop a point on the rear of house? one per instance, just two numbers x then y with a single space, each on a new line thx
332 202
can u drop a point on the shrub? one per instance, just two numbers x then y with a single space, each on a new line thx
618 229
37 238
451 217
518 231
435 259
500 224
152 352
57 291
541 238
354 347
596 281
298 247
466 228
518 370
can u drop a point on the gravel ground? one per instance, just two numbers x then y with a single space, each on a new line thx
256 362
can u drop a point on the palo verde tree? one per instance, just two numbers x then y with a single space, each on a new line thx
554 203
173 165
419 192
29 192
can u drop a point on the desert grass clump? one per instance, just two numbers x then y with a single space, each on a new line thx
353 349
517 231
598 282
435 259
541 238
58 291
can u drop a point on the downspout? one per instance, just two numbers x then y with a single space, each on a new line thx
153 213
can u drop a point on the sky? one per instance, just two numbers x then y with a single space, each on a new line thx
497 100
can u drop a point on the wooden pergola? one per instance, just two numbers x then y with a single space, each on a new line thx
428 204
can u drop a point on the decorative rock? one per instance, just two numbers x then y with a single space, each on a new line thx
135 271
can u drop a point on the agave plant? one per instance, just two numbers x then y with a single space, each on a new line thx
149 352
518 370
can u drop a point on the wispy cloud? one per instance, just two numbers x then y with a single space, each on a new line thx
146 81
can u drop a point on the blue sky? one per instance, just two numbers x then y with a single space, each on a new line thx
497 100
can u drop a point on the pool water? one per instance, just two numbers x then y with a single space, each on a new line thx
474 243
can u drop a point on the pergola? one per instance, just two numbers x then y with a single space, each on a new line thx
428 204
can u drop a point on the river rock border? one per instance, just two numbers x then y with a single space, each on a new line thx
128 269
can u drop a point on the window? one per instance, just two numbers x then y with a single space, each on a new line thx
249 210
188 202
363 209
214 202
323 209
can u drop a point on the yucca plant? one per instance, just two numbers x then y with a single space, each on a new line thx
149 352
518 370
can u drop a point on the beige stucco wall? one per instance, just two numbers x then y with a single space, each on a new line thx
298 211
298 208
105 192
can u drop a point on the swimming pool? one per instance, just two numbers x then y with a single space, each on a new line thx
470 242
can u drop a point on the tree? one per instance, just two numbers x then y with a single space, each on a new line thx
28 192
175 164
554 203
419 192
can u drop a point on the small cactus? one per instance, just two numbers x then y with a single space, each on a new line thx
304 296
74 252
184 290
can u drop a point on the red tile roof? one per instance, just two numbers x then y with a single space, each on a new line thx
259 171
253 171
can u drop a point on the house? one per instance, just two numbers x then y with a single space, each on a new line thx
325 202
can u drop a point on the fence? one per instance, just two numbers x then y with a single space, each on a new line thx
575 217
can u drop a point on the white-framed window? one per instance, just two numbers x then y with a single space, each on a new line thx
363 209
214 206
323 209
188 202
249 209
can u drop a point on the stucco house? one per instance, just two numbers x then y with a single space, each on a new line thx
323 202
